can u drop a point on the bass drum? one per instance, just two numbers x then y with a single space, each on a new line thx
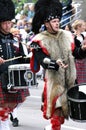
77 102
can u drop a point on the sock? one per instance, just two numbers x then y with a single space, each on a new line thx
14 113
55 121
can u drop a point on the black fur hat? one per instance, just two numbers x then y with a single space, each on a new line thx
45 10
7 10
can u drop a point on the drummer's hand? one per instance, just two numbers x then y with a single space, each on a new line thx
61 64
2 60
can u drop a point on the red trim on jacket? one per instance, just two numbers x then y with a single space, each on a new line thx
35 66
43 48
45 100
32 64
72 46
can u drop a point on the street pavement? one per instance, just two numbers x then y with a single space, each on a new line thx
30 116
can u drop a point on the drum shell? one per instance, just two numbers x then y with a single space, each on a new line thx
77 102
18 74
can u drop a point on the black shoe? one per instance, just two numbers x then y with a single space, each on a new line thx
15 122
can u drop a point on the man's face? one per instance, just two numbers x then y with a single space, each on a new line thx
53 25
5 27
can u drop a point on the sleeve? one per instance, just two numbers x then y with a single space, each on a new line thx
42 58
78 53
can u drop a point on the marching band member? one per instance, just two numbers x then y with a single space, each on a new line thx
79 51
8 101
52 49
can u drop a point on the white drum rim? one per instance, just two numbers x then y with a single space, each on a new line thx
78 120
77 100
19 67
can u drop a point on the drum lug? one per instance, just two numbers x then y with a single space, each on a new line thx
10 89
9 86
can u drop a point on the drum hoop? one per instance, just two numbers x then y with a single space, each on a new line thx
20 87
76 100
11 69
19 67
82 121
79 84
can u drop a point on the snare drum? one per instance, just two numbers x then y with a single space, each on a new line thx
20 75
77 102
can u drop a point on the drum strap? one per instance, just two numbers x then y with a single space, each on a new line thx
9 51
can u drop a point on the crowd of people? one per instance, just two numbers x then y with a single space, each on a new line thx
61 53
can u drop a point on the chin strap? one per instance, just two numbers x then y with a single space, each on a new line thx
53 31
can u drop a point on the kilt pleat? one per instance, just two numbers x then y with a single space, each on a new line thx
81 70
18 97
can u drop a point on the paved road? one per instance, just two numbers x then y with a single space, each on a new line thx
30 115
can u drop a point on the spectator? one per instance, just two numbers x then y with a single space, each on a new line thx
80 50
30 12
68 27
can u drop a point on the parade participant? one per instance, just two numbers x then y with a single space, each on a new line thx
14 113
52 49
8 99
17 37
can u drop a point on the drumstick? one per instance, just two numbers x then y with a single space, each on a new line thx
13 58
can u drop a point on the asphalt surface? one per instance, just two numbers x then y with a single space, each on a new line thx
30 116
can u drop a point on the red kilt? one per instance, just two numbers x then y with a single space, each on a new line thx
81 70
17 97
